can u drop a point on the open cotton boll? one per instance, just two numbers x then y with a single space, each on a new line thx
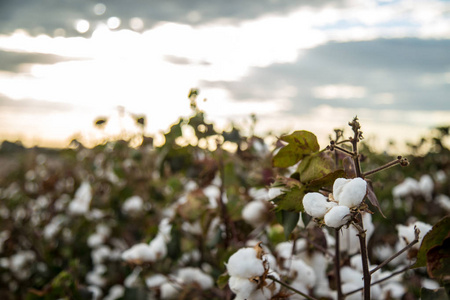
337 216
155 280
245 264
275 192
158 246
443 201
316 205
133 205
169 291
426 186
82 200
190 275
242 287
349 192
409 186
139 253
302 272
133 279
115 292
407 235
255 213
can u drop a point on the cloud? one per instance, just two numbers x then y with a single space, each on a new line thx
382 73
16 62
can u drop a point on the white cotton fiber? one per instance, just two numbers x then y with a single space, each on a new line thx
255 213
245 264
242 287
349 192
406 233
337 216
139 253
316 205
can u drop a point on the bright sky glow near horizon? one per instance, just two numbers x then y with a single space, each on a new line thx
294 65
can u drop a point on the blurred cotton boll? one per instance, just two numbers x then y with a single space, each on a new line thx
81 203
256 213
406 233
133 205
426 186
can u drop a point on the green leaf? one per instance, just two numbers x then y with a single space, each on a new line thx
222 281
326 180
438 261
315 166
291 200
300 144
288 219
434 237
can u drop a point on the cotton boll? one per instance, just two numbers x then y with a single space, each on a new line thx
426 186
245 264
169 291
275 192
395 290
82 200
316 205
407 235
242 287
133 205
443 201
350 192
155 280
95 291
302 272
194 275
133 279
351 275
115 292
351 286
337 216
139 253
255 213
409 186
284 250
158 246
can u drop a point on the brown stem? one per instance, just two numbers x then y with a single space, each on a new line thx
407 247
362 233
337 265
291 288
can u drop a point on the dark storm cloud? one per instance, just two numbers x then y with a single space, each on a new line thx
46 16
383 66
11 61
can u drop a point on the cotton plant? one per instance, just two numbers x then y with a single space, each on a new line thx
250 276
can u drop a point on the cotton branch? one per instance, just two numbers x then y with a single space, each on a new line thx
402 161
415 241
291 288
380 280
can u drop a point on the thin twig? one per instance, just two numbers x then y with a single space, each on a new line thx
380 280
416 240
291 288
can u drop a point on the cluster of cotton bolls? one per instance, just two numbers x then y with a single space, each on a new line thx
248 270
347 194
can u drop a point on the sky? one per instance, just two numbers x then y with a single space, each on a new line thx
297 65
